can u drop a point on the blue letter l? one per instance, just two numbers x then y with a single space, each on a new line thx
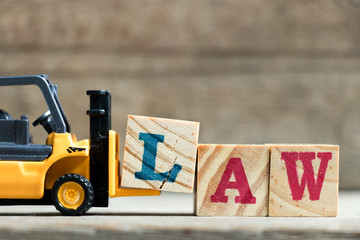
149 157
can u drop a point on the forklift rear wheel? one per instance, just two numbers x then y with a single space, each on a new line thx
72 194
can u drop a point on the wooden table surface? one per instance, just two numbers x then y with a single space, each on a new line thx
169 216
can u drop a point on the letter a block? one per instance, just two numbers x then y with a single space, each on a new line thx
304 180
160 154
232 180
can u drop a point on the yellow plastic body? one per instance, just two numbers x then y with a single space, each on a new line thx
28 179
114 166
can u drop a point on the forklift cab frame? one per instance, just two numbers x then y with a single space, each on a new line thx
15 140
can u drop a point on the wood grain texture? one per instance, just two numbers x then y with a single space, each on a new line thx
303 54
297 107
178 148
153 218
283 192
212 162
208 26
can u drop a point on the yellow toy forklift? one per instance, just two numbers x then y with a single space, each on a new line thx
73 175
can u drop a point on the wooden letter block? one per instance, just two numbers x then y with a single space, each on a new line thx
160 154
304 180
232 180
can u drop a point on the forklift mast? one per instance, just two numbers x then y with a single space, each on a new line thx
100 124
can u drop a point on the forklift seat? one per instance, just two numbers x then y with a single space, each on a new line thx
14 131
15 140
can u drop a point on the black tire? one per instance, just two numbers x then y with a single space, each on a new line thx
73 180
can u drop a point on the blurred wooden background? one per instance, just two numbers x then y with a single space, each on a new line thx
253 71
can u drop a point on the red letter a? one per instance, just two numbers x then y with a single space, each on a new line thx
241 184
308 178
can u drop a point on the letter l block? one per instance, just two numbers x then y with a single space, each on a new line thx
160 154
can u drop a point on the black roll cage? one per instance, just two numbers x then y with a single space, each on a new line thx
49 90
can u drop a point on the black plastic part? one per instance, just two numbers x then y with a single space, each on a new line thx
49 90
84 183
100 124
14 131
15 141
46 121
5 115
95 112
29 152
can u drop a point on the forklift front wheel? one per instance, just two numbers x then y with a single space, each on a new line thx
72 194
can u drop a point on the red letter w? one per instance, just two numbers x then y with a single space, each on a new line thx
241 184
314 187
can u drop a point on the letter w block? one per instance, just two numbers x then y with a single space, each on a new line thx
160 154
304 180
232 180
